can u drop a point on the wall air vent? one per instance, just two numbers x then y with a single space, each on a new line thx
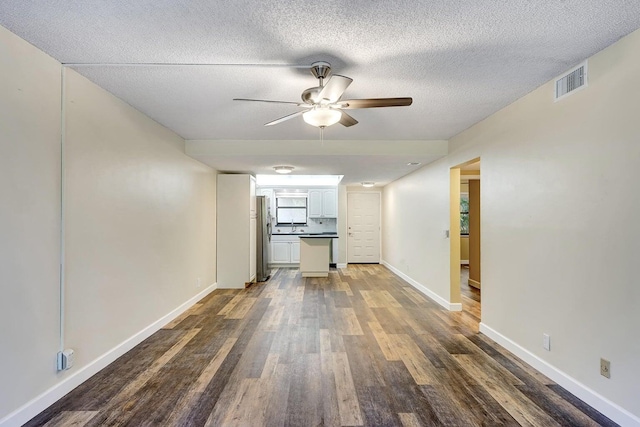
571 81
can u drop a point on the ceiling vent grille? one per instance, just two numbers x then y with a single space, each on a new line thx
572 81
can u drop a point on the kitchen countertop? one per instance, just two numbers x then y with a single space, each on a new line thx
319 236
332 235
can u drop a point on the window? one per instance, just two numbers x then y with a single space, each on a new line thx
291 210
464 214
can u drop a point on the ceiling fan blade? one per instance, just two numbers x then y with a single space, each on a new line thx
273 102
350 104
285 118
334 88
346 120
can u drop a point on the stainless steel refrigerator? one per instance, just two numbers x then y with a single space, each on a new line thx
263 240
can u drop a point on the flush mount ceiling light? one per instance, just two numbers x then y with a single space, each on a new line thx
413 163
322 117
283 169
278 180
368 184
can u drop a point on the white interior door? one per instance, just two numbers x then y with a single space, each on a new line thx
363 226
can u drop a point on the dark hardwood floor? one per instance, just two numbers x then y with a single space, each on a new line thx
470 295
361 347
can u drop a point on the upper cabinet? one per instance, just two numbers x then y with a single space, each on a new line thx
329 204
315 203
323 203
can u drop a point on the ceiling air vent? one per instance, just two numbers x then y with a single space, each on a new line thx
572 81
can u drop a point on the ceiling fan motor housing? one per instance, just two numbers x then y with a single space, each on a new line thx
310 96
321 69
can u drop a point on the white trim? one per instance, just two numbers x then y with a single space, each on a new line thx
581 391
49 397
63 209
341 265
464 262
451 306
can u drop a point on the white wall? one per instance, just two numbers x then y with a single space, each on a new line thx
29 220
140 222
415 215
573 275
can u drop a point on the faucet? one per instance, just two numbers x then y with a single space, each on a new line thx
293 227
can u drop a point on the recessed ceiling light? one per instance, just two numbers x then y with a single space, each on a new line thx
413 163
283 169
368 184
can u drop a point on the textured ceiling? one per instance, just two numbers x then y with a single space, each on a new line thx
460 60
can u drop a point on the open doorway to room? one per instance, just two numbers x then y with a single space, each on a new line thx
465 237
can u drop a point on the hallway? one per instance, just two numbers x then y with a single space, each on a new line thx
471 297
362 347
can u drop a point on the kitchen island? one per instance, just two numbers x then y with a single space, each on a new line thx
315 252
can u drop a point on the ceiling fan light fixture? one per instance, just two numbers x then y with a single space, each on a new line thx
368 184
283 169
322 117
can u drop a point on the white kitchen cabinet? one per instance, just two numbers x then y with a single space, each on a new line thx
280 252
295 251
236 230
285 249
315 204
323 203
329 204
315 257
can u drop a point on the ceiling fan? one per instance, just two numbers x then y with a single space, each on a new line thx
323 105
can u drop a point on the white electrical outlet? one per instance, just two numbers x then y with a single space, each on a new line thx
605 368
546 342
198 283
65 359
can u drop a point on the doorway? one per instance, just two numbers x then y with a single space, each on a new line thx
465 235
363 227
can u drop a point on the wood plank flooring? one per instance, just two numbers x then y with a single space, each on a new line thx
361 347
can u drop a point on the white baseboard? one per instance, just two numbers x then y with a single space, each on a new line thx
437 298
584 393
341 265
49 397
